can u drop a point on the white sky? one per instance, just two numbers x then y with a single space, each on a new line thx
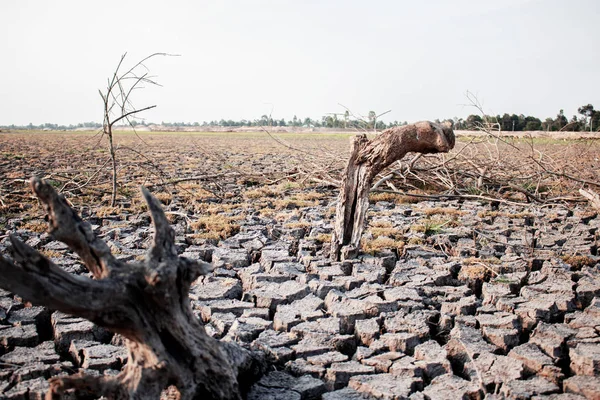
240 59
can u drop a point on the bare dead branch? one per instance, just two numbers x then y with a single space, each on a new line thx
130 113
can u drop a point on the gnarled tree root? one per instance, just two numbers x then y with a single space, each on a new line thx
146 302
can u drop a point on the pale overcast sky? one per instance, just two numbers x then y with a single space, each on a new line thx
240 59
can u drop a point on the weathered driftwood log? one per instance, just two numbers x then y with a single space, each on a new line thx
146 302
368 158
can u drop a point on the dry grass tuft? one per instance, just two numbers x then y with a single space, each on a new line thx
216 226
433 226
387 232
51 253
392 198
289 185
474 268
494 214
286 215
385 237
191 191
293 202
296 225
321 238
164 197
381 223
578 262
309 196
35 226
206 235
476 260
452 212
385 228
416 241
475 272
381 243
262 192
267 212
107 211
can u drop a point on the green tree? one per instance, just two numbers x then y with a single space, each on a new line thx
532 124
519 121
588 112
473 122
561 121
548 124
506 123
575 124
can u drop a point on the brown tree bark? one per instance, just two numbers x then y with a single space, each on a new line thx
146 302
367 159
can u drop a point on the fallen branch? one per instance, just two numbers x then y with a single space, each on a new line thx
592 197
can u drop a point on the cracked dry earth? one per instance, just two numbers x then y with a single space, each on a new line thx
488 304
476 303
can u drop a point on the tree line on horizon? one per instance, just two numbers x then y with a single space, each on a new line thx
589 120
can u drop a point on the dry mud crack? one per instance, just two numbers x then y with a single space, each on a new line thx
476 303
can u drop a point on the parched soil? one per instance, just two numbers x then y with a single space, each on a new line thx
490 291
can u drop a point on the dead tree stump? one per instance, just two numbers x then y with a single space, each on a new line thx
368 158
146 302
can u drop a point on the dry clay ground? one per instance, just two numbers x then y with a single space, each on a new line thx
492 292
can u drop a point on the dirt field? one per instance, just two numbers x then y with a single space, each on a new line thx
478 278
75 160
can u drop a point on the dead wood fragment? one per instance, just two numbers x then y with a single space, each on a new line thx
146 302
367 159
592 197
